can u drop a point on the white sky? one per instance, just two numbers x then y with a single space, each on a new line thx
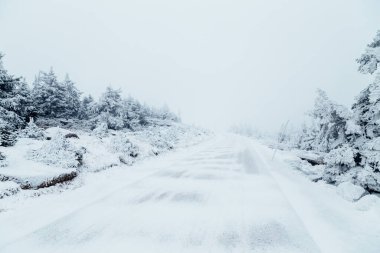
217 62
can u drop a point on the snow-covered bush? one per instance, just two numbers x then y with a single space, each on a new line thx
32 131
161 143
7 137
372 159
3 162
8 188
342 157
338 161
101 130
59 151
120 143
368 179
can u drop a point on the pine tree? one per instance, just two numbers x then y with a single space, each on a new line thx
49 96
110 109
87 108
13 102
370 60
71 99
134 113
367 116
367 110
331 125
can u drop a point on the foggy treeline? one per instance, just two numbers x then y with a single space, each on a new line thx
52 102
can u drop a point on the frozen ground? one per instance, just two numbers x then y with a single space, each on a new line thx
224 195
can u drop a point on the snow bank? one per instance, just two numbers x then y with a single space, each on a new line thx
369 202
8 188
31 174
37 162
350 192
58 151
314 173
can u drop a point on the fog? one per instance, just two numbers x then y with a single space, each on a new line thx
217 63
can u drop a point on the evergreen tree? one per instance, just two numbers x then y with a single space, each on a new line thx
13 104
110 102
331 126
370 60
367 115
110 109
330 120
134 113
49 95
367 110
87 108
71 99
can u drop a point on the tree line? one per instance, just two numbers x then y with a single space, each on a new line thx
53 102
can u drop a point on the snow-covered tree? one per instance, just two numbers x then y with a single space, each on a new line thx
32 131
367 110
54 99
134 114
71 99
367 116
339 161
370 60
110 101
110 108
330 126
49 95
87 108
13 105
306 138
166 114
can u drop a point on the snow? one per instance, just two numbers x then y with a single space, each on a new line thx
24 171
350 192
225 194
35 163
314 173
58 151
340 156
8 188
336 225
352 127
368 203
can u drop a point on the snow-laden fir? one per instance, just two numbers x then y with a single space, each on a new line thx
347 139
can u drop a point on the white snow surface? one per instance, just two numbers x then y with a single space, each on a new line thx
25 170
350 192
223 195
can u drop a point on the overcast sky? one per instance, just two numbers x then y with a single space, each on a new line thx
217 62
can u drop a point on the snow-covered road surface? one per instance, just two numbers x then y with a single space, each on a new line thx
224 195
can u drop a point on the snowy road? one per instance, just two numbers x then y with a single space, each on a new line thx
224 195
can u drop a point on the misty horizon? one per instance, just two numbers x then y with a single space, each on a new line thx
216 63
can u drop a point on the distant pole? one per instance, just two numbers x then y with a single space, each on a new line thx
281 135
